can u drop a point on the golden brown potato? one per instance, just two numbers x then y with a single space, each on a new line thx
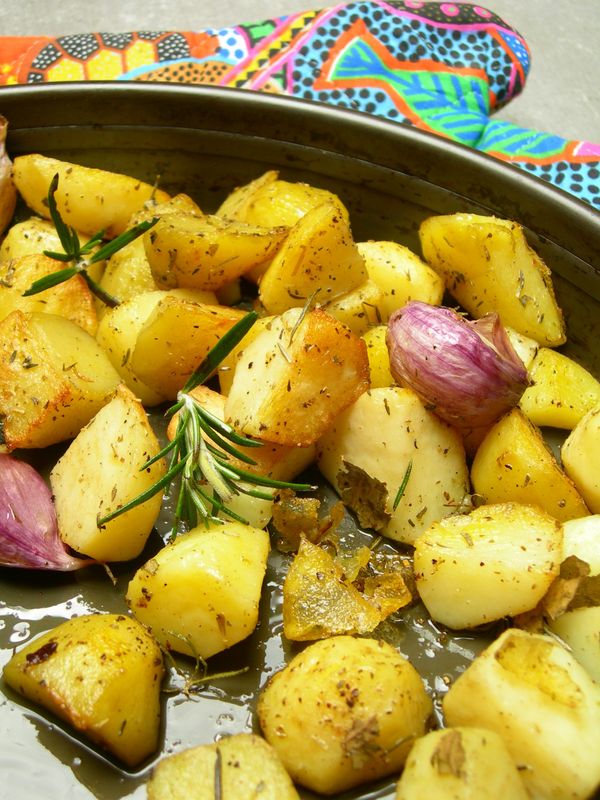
174 340
269 201
199 595
343 712
247 766
206 252
495 562
128 271
488 266
533 693
53 378
379 357
513 464
120 327
237 201
460 764
401 276
319 255
100 472
101 673
297 375
359 308
88 199
274 460
226 369
561 390
71 299
30 237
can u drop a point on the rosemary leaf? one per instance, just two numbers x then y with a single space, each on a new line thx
62 229
48 281
224 428
402 487
125 238
222 443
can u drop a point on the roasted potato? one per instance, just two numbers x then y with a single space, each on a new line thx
513 464
359 308
53 378
561 390
495 562
488 266
379 357
343 712
101 471
295 377
71 299
246 765
88 199
533 693
101 673
199 595
368 451
401 276
318 256
580 457
206 252
460 764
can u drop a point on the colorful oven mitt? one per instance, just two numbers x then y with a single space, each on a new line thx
443 67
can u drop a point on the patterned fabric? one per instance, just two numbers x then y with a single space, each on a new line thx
443 67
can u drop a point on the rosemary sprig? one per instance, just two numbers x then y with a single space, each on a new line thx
403 485
205 454
78 255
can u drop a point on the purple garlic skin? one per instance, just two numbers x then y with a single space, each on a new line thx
28 528
467 372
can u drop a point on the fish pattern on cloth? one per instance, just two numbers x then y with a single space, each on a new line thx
442 67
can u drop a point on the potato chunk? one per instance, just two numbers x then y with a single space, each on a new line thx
248 767
206 252
562 391
580 631
513 464
379 357
319 255
497 561
401 275
460 764
101 673
121 327
71 299
53 378
488 266
88 199
295 377
119 439
165 361
367 451
199 595
580 456
343 712
533 693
